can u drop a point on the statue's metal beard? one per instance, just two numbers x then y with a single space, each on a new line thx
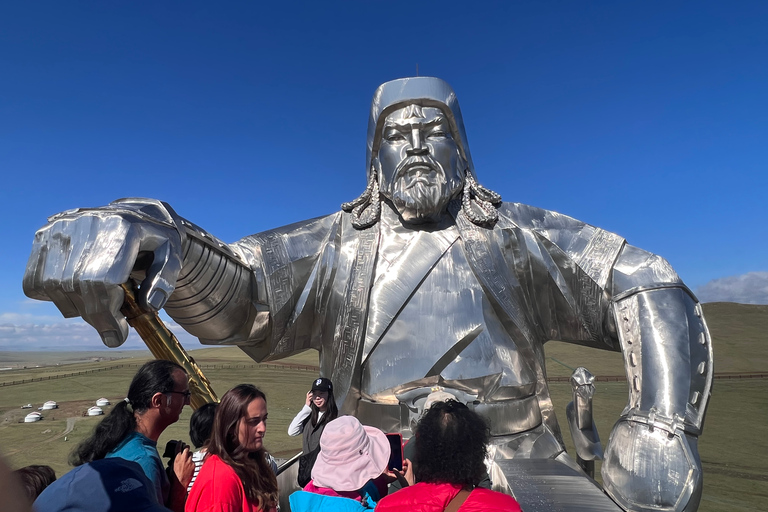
477 202
420 190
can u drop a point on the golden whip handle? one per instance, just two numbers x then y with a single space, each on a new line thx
164 345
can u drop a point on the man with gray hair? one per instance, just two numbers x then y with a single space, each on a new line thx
427 279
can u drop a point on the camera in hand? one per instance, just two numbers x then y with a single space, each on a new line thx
171 449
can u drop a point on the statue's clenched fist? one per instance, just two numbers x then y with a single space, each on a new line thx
81 257
648 468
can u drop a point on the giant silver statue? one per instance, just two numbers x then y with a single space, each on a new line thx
426 280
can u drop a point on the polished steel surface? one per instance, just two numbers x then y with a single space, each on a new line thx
82 256
580 420
427 279
545 485
287 481
664 468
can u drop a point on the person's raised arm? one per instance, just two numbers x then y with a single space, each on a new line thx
297 424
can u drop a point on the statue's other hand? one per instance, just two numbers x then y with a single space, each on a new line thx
651 469
81 257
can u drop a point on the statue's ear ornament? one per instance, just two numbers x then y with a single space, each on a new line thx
478 202
366 209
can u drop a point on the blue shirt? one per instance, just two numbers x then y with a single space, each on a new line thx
303 501
141 449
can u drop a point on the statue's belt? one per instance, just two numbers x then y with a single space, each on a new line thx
504 418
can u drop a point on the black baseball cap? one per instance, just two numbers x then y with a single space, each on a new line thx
322 384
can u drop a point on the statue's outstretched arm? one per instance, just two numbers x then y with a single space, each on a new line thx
81 257
651 460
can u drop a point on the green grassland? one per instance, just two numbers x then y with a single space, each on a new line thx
32 358
734 445
46 441
733 448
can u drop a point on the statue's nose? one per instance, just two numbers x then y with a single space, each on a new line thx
416 148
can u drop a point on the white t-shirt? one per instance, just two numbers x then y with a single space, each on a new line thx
198 457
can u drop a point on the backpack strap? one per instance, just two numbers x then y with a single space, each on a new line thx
458 501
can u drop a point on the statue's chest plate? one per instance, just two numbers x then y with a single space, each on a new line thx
430 323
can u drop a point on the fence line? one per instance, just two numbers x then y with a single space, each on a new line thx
623 378
298 367
60 376
135 365
275 366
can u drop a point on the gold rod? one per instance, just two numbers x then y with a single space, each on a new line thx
164 345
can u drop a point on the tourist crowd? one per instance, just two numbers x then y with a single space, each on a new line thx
345 466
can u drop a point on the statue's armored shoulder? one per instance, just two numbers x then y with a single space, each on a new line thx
576 238
297 238
593 248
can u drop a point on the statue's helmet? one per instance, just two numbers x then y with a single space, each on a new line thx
400 101
425 91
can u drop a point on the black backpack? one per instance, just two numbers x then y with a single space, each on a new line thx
306 462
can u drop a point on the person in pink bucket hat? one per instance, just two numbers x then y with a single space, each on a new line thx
351 455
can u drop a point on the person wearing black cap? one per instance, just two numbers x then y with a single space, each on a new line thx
319 409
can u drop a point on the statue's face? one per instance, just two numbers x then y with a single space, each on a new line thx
420 167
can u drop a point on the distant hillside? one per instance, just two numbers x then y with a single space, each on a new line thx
740 336
739 333
31 358
739 339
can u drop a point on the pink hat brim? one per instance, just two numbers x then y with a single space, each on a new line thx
353 474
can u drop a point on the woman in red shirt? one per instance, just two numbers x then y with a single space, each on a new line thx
449 465
236 476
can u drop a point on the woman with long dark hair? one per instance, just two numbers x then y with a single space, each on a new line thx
156 396
319 409
236 476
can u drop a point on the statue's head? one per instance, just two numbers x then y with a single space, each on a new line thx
418 156
418 162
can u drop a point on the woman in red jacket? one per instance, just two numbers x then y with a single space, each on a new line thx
448 465
236 476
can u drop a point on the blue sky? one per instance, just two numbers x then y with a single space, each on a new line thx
645 118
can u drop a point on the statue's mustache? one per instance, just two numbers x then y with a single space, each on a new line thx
421 161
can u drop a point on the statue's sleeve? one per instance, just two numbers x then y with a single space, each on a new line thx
292 269
668 361
656 322
259 293
565 268
665 341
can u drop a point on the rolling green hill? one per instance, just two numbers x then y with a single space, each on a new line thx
732 448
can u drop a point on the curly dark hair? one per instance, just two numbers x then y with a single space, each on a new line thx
452 444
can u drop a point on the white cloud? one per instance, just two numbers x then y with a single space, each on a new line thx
749 288
28 318
27 302
21 332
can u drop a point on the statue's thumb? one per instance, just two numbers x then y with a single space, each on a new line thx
160 282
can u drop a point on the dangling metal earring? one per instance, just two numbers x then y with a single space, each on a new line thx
366 209
478 202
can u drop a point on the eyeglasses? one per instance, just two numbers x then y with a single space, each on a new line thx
185 394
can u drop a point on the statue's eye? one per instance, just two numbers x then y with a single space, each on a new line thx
394 136
437 134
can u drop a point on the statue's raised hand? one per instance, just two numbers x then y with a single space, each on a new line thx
81 257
